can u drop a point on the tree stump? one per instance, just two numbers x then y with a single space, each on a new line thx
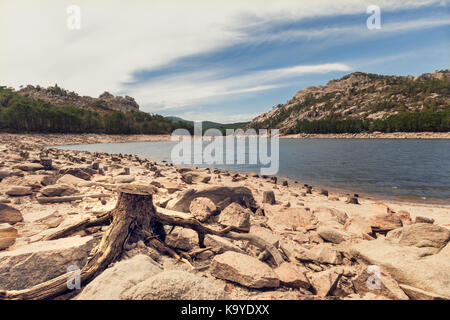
133 213
269 197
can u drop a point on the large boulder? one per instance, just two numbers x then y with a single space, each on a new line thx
175 285
8 235
114 281
292 275
408 264
385 222
19 191
29 166
220 196
424 235
71 180
235 215
202 208
377 281
84 173
41 261
332 235
9 214
57 190
325 282
243 269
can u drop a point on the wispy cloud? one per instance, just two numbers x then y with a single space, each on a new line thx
186 89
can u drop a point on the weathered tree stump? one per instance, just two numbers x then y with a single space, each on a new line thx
269 197
133 213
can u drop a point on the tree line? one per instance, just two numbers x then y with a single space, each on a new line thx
24 114
400 122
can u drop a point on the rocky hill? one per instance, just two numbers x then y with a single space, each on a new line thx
105 103
361 96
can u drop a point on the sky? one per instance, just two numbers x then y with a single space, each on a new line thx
225 61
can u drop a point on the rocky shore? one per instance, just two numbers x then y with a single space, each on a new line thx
374 135
316 244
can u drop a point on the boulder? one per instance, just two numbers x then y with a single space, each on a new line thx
292 275
84 173
420 219
182 238
57 190
332 235
407 264
221 244
377 281
330 217
19 191
71 180
385 222
175 285
325 253
235 215
325 282
114 281
41 261
29 166
424 235
124 179
292 218
358 226
243 269
8 235
220 196
202 208
9 214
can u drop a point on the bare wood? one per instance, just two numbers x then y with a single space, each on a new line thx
259 242
86 223
43 200
228 232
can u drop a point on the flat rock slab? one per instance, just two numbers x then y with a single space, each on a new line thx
41 261
9 214
243 269
175 285
407 265
112 282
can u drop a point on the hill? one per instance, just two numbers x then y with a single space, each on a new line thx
366 102
210 124
55 110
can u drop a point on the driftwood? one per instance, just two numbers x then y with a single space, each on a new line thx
133 218
86 223
43 200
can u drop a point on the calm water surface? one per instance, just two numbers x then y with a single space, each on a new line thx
412 169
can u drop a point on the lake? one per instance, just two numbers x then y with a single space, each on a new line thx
405 169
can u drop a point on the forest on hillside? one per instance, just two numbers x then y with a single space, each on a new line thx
24 114
426 121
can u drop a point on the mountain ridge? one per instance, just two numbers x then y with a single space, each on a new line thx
362 96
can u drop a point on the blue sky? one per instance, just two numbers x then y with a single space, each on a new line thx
223 61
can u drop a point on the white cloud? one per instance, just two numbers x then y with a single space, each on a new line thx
118 38
176 91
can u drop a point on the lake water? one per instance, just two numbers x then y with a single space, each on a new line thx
412 169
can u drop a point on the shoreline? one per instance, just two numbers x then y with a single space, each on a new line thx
54 140
317 233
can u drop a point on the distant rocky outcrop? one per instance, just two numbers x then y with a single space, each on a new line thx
105 103
361 96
